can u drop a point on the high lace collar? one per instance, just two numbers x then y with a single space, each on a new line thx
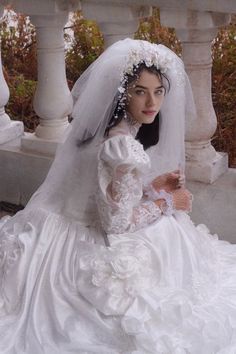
132 125
127 126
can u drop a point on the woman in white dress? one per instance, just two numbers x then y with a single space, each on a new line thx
104 258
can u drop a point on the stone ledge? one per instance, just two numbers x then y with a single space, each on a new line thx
207 171
196 5
11 131
21 173
33 144
214 205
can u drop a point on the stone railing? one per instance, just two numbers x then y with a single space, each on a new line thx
9 130
196 24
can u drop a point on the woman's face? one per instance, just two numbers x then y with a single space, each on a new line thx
145 97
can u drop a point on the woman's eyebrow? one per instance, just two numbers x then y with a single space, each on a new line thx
146 88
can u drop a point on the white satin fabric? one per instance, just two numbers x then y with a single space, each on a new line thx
166 288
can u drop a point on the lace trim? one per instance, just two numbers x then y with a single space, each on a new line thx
145 214
135 149
167 207
120 192
126 189
120 212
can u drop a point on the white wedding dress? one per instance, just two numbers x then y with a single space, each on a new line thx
153 284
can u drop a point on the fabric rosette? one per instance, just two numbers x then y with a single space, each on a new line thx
111 277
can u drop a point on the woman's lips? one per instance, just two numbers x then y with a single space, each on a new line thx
149 113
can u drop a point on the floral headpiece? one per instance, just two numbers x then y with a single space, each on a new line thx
147 54
150 56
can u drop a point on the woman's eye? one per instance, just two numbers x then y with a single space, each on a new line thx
160 91
140 92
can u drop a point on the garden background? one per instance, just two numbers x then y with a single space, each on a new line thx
84 43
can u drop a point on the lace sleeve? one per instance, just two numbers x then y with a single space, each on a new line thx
120 199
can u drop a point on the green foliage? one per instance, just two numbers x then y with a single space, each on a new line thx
20 105
224 91
18 45
150 29
85 46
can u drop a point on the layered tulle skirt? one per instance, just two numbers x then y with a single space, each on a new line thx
66 288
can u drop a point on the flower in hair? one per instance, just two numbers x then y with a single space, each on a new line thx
121 89
150 56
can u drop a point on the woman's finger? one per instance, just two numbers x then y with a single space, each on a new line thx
175 171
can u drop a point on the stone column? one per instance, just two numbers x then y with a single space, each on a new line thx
9 130
196 31
115 21
53 100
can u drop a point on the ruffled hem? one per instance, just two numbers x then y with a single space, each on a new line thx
41 310
166 289
190 314
196 319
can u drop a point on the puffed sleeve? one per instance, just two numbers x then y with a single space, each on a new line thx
121 206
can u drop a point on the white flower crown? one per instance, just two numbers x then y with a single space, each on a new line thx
147 54
150 57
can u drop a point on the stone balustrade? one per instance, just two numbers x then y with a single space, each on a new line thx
196 31
9 130
52 101
196 23
115 21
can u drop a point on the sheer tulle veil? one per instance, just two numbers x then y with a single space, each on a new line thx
70 183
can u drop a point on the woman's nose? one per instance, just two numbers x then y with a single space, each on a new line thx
150 100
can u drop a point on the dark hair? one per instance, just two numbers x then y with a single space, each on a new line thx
148 134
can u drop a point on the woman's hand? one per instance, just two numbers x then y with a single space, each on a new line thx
182 199
169 181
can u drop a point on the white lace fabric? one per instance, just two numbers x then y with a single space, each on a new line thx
121 206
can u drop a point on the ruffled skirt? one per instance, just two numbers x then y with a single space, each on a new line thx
167 289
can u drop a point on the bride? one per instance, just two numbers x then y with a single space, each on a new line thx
104 258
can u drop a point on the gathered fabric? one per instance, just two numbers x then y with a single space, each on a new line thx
150 284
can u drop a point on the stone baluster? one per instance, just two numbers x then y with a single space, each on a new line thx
196 31
115 21
9 130
53 100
